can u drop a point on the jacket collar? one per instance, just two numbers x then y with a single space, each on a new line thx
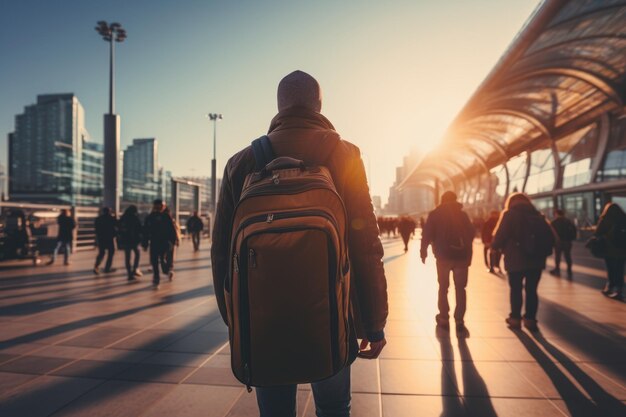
298 118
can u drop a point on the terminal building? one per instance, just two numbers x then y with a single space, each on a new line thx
549 120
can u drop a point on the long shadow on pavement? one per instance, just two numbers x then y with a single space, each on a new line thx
78 324
597 340
476 399
601 403
39 306
55 399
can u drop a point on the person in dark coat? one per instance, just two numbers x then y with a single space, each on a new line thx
490 256
129 238
106 232
160 235
300 131
65 236
406 226
519 221
567 232
451 233
194 228
612 228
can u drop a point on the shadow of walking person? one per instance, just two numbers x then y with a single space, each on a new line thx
475 392
578 404
450 396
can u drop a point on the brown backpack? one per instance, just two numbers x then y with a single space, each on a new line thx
288 290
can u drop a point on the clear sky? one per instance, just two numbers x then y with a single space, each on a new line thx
394 73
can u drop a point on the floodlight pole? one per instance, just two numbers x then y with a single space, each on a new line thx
111 197
214 117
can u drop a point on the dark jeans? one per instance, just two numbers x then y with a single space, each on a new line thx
195 239
159 261
564 248
102 248
67 246
459 274
615 270
131 269
528 280
405 239
332 398
491 257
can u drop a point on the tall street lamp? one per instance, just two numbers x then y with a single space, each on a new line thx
214 117
111 33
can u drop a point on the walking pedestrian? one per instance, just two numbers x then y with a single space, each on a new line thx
194 228
406 226
611 229
160 235
129 238
527 239
451 233
106 232
169 259
65 236
300 136
567 232
490 256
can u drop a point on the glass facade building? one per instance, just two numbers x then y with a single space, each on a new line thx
140 178
51 158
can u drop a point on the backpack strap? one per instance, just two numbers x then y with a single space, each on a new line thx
263 152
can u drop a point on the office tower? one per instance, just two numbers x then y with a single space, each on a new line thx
46 151
141 180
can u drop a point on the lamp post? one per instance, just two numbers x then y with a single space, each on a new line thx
214 117
111 33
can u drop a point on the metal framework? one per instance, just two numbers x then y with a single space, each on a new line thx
566 64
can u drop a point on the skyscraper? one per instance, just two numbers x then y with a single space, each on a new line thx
141 171
46 152
3 183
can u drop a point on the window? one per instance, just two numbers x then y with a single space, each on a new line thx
615 163
541 176
498 184
517 172
577 152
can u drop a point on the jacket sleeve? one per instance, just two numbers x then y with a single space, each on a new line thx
366 253
146 235
603 227
502 232
470 230
221 232
427 235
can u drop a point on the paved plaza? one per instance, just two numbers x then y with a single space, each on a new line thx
75 344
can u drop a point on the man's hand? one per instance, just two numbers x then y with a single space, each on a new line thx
373 351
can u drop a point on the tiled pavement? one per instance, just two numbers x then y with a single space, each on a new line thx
73 344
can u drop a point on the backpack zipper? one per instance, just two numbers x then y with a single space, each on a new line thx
251 258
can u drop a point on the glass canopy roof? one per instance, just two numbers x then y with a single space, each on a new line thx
567 64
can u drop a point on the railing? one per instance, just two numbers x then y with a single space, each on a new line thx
29 230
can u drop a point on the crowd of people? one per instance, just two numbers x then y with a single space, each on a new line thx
525 238
520 234
159 233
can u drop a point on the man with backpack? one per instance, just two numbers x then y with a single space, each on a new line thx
527 239
159 233
567 232
293 295
451 233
